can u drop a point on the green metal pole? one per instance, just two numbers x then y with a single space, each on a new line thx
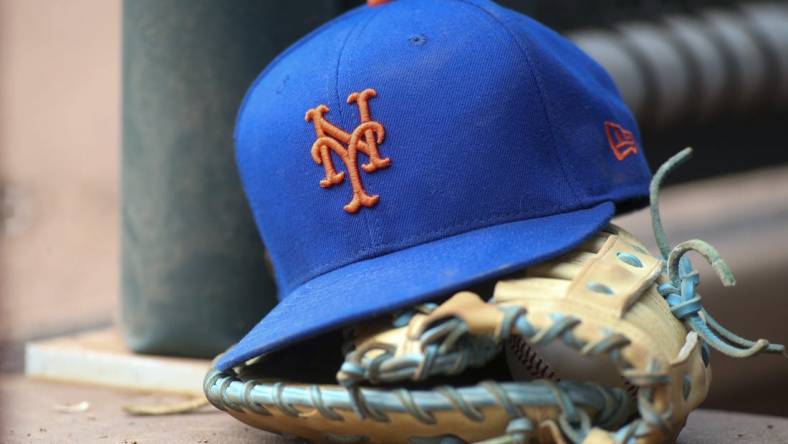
193 274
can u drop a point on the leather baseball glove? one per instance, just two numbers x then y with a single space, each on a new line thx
470 369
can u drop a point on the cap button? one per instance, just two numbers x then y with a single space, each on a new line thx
373 3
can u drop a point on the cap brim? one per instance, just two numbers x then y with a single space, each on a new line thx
382 284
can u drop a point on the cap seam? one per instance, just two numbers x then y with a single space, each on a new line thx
540 87
360 25
276 60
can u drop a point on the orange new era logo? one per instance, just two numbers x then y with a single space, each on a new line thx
622 142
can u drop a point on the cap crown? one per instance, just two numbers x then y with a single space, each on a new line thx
465 115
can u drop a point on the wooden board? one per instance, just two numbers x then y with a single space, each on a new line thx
29 413
99 357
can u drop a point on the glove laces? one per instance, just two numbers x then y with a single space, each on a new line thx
680 290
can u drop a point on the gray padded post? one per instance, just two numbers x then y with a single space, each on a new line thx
193 274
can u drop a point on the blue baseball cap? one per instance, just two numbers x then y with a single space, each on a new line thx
407 150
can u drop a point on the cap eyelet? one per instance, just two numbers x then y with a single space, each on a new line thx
417 40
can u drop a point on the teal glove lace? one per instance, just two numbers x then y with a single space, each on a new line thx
680 292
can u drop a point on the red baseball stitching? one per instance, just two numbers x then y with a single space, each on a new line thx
537 367
631 389
531 360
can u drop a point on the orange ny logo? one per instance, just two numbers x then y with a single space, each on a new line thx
365 138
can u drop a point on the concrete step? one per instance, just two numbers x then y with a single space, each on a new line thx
100 357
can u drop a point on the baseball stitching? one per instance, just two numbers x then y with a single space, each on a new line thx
531 360
539 368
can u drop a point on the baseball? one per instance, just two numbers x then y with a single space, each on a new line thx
556 362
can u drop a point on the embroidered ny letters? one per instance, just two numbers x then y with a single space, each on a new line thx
365 138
